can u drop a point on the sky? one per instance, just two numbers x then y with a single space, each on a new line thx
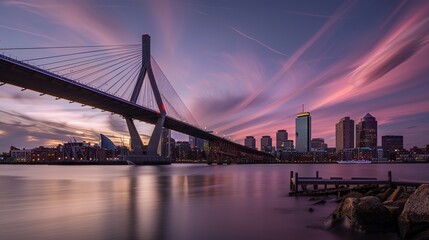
242 67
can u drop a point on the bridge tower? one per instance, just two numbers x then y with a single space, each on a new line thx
138 153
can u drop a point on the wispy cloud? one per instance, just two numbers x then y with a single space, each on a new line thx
295 57
29 32
258 42
307 14
200 12
387 68
79 17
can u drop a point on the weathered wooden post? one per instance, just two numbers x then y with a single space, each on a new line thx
389 177
317 176
296 182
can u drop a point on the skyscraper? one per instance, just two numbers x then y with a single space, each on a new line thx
366 132
167 147
266 144
250 142
303 132
345 134
281 137
196 143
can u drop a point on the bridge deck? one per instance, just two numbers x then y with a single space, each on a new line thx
30 77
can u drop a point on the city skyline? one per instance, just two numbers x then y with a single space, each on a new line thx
238 76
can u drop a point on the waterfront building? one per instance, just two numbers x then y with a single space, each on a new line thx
364 153
379 155
167 143
344 134
318 144
106 143
366 132
250 142
303 131
266 144
182 150
288 145
281 138
44 154
19 155
392 143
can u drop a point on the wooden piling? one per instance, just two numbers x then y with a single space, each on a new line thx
389 178
315 186
367 183
290 180
296 182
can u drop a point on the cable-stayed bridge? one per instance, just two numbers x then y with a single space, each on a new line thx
121 79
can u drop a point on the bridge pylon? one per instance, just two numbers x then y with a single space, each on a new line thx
138 153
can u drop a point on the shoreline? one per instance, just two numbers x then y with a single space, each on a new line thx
120 162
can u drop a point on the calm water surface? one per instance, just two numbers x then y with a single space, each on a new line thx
172 202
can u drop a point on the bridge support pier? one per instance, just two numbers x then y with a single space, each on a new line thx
152 148
136 142
151 152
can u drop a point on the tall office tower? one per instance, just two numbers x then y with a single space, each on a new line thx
303 132
166 149
366 132
196 143
281 137
266 144
250 142
392 143
345 134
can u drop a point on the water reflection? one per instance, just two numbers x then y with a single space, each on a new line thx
170 202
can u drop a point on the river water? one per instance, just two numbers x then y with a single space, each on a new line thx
182 201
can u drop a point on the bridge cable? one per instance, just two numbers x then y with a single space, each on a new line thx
65 47
132 57
70 54
133 77
114 70
88 56
170 95
100 63
130 67
87 61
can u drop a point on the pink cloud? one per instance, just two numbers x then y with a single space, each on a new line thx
80 17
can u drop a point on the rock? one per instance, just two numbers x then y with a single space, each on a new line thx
414 219
311 210
422 236
352 195
394 210
395 195
404 195
376 191
397 206
366 215
384 195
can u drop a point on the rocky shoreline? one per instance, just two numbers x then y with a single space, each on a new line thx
384 210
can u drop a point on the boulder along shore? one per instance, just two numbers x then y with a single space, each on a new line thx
384 210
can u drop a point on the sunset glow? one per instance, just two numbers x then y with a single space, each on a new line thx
242 68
